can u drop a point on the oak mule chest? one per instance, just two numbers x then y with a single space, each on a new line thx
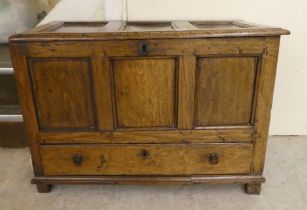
172 102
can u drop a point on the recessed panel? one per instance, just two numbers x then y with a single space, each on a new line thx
224 92
148 26
62 93
81 27
144 92
216 25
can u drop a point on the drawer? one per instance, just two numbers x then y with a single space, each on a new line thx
147 159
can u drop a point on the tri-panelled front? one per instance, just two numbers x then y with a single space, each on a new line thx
144 88
139 86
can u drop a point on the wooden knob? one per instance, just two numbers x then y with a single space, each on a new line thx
213 158
77 159
144 153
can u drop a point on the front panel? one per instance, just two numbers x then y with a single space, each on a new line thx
144 92
224 91
62 93
174 85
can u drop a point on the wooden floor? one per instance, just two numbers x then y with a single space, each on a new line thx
285 187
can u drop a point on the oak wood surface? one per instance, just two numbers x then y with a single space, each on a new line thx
167 98
225 88
146 30
168 159
253 188
102 91
187 74
163 180
62 93
43 188
23 83
264 99
145 92
232 134
166 47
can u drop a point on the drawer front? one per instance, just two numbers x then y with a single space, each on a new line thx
142 159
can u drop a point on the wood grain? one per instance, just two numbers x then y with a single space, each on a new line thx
102 91
146 30
165 47
63 94
145 91
162 180
187 73
149 136
187 103
159 159
23 83
264 99
224 92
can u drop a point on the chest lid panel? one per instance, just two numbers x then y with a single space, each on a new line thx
111 30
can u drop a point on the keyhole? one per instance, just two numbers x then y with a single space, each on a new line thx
144 153
143 48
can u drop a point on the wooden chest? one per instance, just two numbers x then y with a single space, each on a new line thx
147 102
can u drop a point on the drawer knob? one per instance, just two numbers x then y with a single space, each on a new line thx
144 153
213 158
77 159
143 49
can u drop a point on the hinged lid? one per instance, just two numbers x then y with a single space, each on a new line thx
108 30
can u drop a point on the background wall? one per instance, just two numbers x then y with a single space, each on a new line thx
19 15
289 115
